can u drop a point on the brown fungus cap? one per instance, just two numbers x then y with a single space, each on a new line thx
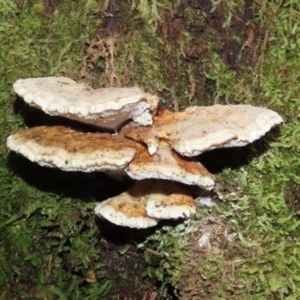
167 199
106 107
199 129
167 164
147 201
125 210
71 150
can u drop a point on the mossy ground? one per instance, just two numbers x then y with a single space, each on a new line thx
189 53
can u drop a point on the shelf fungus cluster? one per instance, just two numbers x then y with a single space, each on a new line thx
157 148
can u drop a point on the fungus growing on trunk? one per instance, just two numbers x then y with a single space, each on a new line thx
162 170
199 129
71 150
146 202
126 209
106 107
167 164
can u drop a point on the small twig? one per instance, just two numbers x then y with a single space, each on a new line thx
257 2
113 76
153 252
193 86
174 99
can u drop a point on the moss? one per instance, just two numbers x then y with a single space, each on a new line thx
265 252
42 235
199 53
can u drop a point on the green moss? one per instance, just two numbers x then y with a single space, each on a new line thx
262 261
49 243
37 228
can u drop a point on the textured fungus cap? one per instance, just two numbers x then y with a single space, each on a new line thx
167 199
106 107
71 150
125 210
167 164
147 201
200 129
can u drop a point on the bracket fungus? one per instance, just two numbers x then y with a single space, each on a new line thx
106 107
156 149
146 202
70 150
199 129
126 209
167 164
